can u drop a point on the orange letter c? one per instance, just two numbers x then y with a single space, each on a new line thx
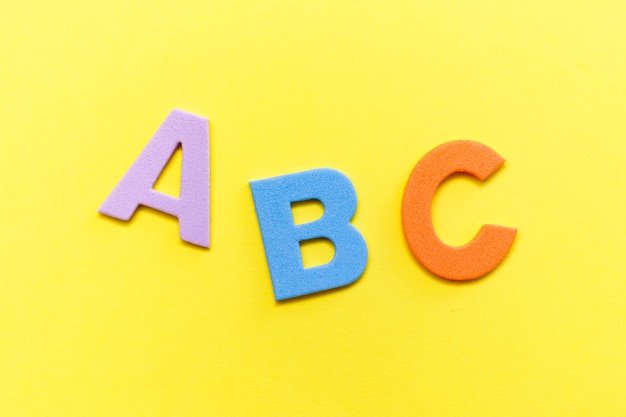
488 248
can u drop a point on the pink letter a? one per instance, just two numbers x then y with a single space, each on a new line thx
192 207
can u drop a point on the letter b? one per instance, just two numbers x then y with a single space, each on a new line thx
281 237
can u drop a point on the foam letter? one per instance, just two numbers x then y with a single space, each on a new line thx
489 246
136 187
281 237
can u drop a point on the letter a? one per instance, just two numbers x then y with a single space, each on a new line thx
136 187
281 237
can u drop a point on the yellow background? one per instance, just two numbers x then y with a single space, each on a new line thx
104 318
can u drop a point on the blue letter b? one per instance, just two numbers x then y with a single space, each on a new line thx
281 237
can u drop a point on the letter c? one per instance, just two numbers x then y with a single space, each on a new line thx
488 248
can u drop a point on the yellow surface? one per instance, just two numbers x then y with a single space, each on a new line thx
104 318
